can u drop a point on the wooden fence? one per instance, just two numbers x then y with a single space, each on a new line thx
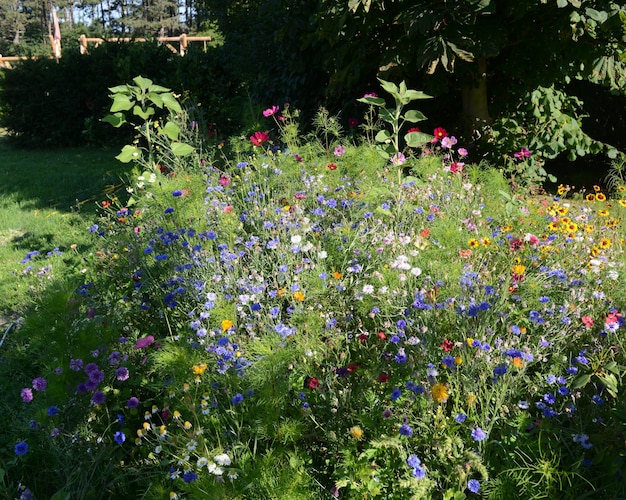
177 44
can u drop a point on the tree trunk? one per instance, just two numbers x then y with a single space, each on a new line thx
475 101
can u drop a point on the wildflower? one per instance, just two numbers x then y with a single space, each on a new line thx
232 475
522 153
396 393
226 325
473 485
356 432
406 430
202 462
448 142
223 460
416 464
439 134
398 159
312 383
199 369
339 151
237 398
40 384
478 434
439 393
460 417
21 448
353 122
52 410
122 374
259 138
298 296
331 166
132 402
119 437
98 398
271 111
27 395
190 477
144 342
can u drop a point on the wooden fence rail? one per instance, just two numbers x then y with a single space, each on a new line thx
182 42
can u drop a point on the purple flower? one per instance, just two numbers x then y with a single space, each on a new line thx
144 342
133 402
53 410
121 374
90 368
27 395
460 417
76 365
98 398
40 384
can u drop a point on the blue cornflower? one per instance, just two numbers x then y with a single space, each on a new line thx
21 448
53 410
460 417
478 434
597 399
473 485
237 398
396 393
119 437
168 210
448 361
500 370
406 430
549 398
190 477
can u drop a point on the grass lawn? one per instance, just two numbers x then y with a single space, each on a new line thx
47 199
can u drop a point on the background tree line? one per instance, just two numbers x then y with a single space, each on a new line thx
545 74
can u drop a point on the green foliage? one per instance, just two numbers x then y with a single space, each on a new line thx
389 141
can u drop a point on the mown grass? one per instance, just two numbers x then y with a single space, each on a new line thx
47 198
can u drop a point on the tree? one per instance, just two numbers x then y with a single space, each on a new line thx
488 51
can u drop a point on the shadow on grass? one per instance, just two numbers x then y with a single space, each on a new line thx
66 180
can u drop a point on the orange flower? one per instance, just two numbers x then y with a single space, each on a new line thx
465 254
199 368
337 275
298 296
600 197
227 324
518 362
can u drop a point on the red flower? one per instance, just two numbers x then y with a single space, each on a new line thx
382 336
413 129
312 383
447 345
353 122
363 337
439 133
331 166
352 367
259 138
383 377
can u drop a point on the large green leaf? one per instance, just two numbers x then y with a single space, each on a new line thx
129 153
121 102
156 99
383 136
115 119
142 83
181 149
145 114
414 116
171 102
390 87
171 130
417 139
374 101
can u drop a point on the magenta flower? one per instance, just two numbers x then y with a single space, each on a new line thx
224 180
339 151
144 342
133 402
27 395
271 111
522 153
259 138
371 94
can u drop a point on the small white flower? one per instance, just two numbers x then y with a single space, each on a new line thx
322 255
202 462
222 459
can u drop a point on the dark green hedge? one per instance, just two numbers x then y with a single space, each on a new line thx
48 103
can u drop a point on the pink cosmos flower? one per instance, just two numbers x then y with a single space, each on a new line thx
259 138
224 180
522 153
339 151
271 111
398 159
